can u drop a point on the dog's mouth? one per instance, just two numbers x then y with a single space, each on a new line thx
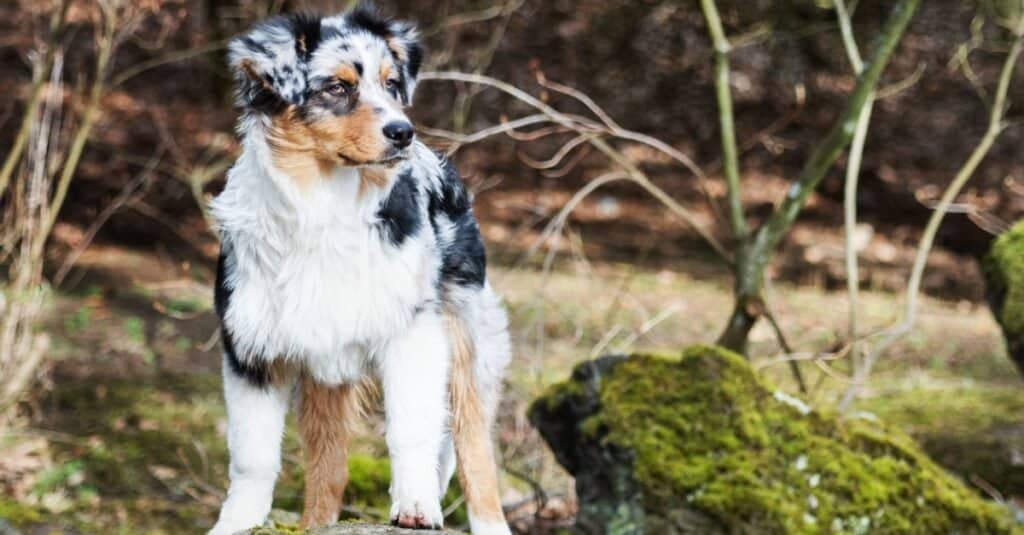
391 158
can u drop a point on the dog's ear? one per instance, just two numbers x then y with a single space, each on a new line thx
405 45
269 62
401 37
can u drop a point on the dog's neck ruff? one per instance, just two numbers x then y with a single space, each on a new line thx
277 198
312 274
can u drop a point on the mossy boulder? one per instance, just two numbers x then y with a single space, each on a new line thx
971 429
1004 287
699 444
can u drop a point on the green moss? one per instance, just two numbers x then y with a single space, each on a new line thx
706 430
968 428
18 514
1004 276
369 478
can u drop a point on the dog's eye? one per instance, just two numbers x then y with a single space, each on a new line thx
391 85
338 88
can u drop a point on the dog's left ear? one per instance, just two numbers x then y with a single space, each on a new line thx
268 62
404 43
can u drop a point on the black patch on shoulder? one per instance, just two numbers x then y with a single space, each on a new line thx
399 214
452 197
256 373
463 258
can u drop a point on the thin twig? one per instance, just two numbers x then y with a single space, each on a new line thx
751 265
172 57
853 166
124 197
996 126
727 125
635 174
794 367
105 51
32 105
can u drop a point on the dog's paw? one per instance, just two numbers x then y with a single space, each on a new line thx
231 528
413 514
488 527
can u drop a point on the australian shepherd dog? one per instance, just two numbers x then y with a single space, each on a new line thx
350 253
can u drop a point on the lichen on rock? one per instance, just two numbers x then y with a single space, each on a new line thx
1004 283
700 444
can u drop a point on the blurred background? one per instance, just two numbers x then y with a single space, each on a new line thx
117 128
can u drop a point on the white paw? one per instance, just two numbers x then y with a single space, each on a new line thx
488 527
417 514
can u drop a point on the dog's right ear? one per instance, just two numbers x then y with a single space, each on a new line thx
268 63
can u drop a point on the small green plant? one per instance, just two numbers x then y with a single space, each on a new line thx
66 474
134 329
186 305
78 321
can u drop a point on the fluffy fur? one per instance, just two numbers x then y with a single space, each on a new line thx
350 251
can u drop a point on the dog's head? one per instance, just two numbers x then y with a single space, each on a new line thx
330 88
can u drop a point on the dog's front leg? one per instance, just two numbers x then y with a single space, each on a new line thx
414 373
256 416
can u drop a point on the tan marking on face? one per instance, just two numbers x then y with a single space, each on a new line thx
385 73
478 472
326 415
348 74
354 139
295 151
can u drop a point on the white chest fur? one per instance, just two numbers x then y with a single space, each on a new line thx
312 278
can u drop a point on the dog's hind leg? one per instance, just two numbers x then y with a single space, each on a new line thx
326 414
480 352
256 414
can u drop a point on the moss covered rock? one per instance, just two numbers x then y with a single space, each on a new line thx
1004 283
700 444
971 429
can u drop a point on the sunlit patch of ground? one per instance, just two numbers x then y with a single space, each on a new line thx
126 434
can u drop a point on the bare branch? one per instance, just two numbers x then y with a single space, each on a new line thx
32 105
727 125
996 126
635 174
750 272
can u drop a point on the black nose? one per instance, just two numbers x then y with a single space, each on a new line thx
399 132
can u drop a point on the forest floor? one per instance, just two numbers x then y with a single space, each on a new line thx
126 433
